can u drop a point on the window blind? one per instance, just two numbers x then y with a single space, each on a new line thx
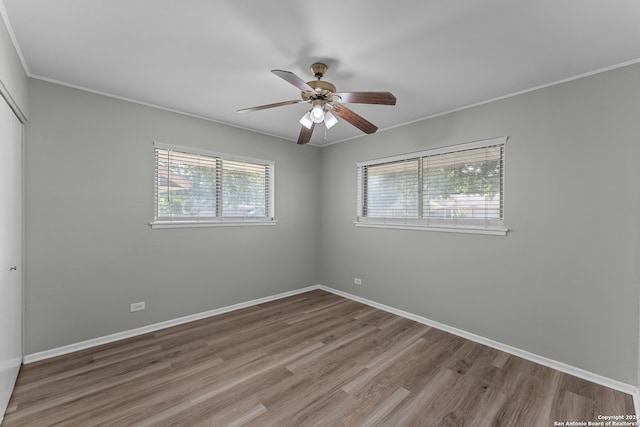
459 186
464 184
244 191
192 185
392 190
186 185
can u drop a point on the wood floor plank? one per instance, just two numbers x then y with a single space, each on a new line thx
488 409
415 408
313 359
372 409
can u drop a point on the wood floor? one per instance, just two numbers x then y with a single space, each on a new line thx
315 359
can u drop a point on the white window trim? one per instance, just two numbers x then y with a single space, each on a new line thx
225 221
490 227
465 228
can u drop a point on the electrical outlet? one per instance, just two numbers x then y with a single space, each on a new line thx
357 281
137 306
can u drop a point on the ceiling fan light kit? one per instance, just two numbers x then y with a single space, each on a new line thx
324 100
317 115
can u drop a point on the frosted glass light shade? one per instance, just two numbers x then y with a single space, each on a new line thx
329 120
306 120
317 115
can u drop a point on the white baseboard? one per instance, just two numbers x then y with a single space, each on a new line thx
59 351
554 364
560 366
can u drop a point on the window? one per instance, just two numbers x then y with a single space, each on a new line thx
200 188
458 189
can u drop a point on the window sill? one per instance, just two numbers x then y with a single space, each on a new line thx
469 229
222 223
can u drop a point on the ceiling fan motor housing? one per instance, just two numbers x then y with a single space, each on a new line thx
321 85
323 89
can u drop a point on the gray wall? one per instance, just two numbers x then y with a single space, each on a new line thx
13 79
89 197
564 282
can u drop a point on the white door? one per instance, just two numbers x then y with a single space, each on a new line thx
10 252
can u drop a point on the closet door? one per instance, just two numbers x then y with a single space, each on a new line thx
10 252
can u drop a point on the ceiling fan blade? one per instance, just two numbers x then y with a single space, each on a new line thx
358 121
305 134
293 79
384 98
263 107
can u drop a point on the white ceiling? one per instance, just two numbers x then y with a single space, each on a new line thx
210 58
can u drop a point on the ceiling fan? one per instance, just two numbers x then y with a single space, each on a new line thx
326 101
